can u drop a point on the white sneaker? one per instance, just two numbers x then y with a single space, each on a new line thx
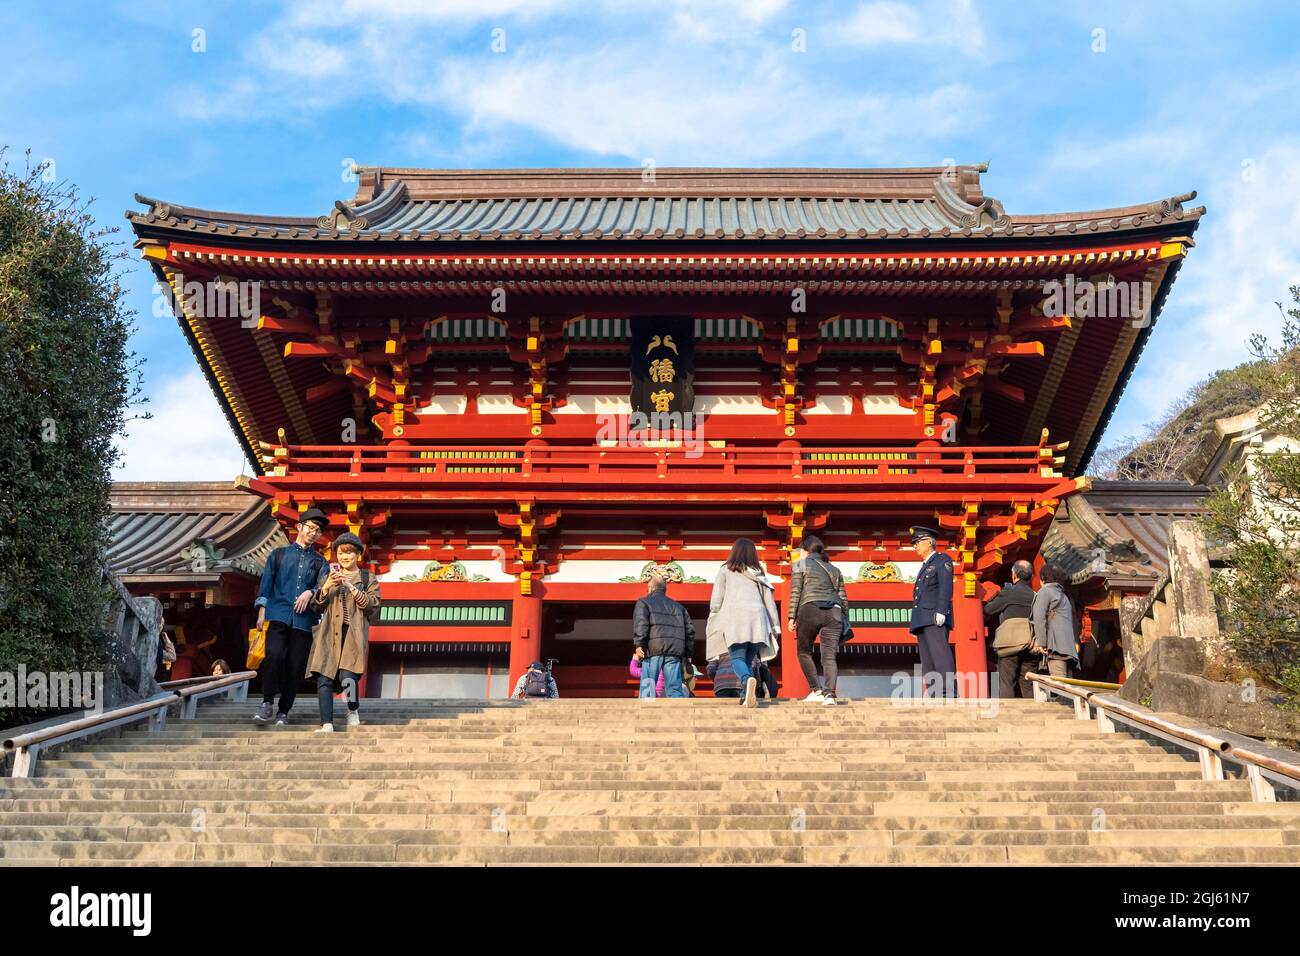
325 729
354 718
816 697
828 701
751 692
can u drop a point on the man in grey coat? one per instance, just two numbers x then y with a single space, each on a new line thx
1053 622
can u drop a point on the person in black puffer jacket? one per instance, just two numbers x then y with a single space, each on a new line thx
663 630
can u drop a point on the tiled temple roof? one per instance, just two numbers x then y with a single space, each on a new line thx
587 204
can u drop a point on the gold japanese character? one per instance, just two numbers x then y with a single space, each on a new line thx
662 399
661 370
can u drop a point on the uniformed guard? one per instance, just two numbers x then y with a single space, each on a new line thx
932 613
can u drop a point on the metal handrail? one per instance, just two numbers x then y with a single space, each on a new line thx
233 685
1259 768
185 681
26 747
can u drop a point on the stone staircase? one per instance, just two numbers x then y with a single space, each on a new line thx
697 781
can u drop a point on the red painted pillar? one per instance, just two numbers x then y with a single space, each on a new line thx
968 642
525 635
793 683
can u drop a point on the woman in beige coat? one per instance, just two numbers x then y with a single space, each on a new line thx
347 598
743 617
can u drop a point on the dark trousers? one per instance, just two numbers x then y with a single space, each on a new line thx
286 661
1013 675
325 693
937 662
811 622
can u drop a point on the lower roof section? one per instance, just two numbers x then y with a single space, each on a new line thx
1117 532
174 533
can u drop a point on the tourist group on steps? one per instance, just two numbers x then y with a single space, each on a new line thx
316 619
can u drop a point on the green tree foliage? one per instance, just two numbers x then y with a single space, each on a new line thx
1257 518
68 379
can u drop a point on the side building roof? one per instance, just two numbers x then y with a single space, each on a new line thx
188 531
1119 531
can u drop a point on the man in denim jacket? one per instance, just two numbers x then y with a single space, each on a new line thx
288 580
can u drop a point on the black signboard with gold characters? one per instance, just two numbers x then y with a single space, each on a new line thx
663 365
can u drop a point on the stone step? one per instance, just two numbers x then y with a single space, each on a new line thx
13 836
896 805
594 742
580 782
424 789
783 795
1088 748
361 758
682 855
485 821
287 773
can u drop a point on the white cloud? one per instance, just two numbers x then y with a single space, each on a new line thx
188 438
652 110
953 24
722 19
703 82
333 13
1247 257
303 57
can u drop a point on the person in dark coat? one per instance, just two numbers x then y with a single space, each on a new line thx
663 630
1013 603
932 614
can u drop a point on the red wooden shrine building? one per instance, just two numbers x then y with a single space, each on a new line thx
458 365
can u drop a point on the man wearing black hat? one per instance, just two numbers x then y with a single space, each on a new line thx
932 613
288 581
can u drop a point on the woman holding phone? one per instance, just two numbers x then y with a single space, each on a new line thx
347 599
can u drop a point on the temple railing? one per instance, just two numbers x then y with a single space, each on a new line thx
494 463
26 746
1264 773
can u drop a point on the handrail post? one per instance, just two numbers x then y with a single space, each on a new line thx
1261 791
1081 709
158 721
1104 723
25 760
1041 693
1211 763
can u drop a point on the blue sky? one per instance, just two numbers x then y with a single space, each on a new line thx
1075 105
